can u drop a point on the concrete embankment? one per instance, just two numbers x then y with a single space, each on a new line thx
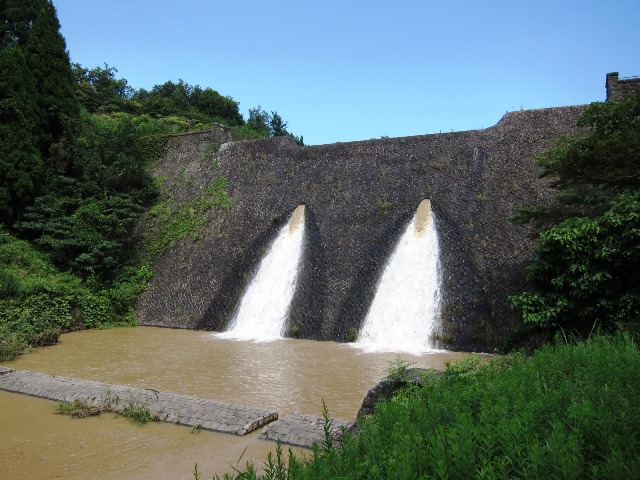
298 430
167 407
303 430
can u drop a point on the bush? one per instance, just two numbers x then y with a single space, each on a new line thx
38 302
586 267
587 270
570 411
77 409
11 344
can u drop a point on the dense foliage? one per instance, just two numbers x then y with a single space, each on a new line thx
586 269
86 218
177 106
76 150
183 99
38 301
592 168
37 101
568 412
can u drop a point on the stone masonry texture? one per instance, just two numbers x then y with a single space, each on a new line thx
359 197
304 430
168 407
617 88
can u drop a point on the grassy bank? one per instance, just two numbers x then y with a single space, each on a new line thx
569 411
38 302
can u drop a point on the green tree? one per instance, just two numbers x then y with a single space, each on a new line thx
259 121
23 168
16 19
113 154
592 168
100 91
215 106
182 99
49 63
38 105
87 219
170 98
277 126
587 271
587 257
85 234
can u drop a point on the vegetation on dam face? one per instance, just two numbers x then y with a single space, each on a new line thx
76 150
77 147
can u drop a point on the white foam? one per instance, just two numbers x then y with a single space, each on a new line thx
264 309
405 312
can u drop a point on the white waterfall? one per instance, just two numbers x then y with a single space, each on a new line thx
264 308
405 312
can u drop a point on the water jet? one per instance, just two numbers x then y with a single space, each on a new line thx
405 311
263 311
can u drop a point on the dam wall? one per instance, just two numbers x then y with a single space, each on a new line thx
358 198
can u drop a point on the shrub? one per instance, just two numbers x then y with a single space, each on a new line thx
570 411
587 271
38 302
138 414
398 370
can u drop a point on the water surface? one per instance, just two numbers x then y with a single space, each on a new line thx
287 375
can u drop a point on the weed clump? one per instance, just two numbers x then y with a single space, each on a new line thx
77 409
398 370
138 414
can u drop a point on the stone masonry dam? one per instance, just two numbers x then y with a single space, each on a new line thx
358 198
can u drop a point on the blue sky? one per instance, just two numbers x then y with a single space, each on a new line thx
354 70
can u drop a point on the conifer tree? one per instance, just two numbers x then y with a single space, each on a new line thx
38 105
21 163
49 63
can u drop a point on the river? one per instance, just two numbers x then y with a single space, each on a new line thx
291 376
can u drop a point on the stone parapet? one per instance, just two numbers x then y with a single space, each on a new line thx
618 88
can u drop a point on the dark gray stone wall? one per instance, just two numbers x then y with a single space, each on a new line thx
165 406
618 88
475 180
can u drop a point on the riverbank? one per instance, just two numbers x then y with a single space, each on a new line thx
570 411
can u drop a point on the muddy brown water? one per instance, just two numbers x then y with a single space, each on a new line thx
291 376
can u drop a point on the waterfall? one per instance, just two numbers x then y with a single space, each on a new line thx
405 311
264 308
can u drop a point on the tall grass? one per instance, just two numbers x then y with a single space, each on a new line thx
569 412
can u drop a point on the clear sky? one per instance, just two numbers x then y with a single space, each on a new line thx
342 70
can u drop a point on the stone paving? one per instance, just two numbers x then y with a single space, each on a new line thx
167 407
303 430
